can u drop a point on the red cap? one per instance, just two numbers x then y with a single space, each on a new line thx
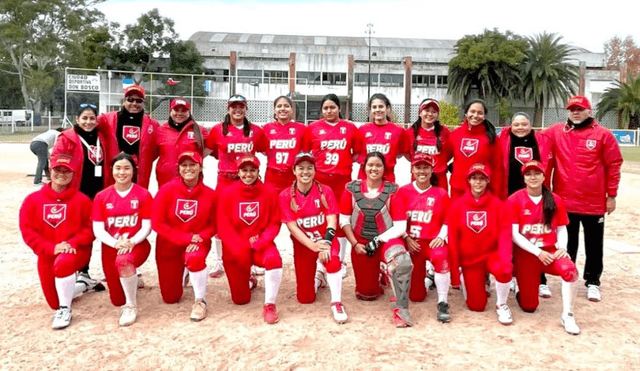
237 98
134 89
304 156
533 165
430 102
578 101
422 158
60 161
191 155
248 159
180 102
479 169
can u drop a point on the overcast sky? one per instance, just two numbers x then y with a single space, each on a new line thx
582 24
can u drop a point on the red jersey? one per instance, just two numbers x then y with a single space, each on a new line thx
284 143
426 211
228 148
389 139
530 219
335 147
122 216
311 216
171 144
425 142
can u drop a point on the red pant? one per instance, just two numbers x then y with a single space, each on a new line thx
437 257
304 261
366 270
475 279
171 264
279 180
112 263
237 266
61 265
527 271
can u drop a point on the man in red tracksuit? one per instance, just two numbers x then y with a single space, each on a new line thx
586 175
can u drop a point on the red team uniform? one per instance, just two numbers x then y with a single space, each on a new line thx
122 216
426 143
284 143
389 139
171 143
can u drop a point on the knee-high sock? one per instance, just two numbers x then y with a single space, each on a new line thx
335 286
272 280
344 244
218 248
64 288
502 292
199 283
569 290
443 281
130 287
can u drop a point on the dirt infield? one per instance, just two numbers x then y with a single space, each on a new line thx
306 338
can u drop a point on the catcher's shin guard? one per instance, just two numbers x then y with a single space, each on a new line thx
399 267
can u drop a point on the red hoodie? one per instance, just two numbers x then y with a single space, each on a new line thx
171 143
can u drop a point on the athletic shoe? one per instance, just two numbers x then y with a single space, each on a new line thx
217 270
258 271
443 312
401 317
129 315
253 282
570 325
343 269
140 281
61 318
199 310
270 314
514 285
339 314
504 314
83 279
320 280
430 281
38 184
593 293
544 291
487 286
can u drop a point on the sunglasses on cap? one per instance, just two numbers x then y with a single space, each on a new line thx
85 105
237 99
134 100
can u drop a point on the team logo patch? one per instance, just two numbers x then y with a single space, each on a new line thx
95 154
431 201
191 135
322 132
368 134
477 220
387 136
131 134
523 154
249 211
527 212
109 206
134 204
469 146
150 129
292 131
272 131
591 144
317 203
186 209
54 214
343 130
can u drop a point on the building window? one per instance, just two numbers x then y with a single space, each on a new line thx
387 79
361 79
443 81
218 75
334 78
276 77
311 78
423 80
249 76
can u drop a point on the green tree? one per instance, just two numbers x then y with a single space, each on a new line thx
546 73
623 99
486 64
449 115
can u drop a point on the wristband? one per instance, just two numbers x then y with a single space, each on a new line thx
330 234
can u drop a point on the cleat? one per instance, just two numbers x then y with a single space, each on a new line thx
257 271
217 270
199 310
443 312
253 282
593 293
570 325
401 317
544 291
129 315
504 314
430 281
339 314
270 314
140 281
61 318
84 283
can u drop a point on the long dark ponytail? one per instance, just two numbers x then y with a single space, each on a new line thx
548 206
246 127
489 128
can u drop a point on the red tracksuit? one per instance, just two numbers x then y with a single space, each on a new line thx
246 213
171 143
311 218
180 213
122 216
389 139
479 243
528 215
525 154
69 143
426 212
426 142
285 142
469 145
48 218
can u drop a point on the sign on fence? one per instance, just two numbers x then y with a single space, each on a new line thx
83 82
625 137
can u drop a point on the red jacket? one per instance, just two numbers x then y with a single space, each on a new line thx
48 218
108 126
180 212
544 146
587 165
469 145
171 143
477 228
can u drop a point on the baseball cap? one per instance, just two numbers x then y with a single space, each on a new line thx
60 161
191 155
248 159
134 89
304 156
533 164
237 98
180 102
430 102
479 169
578 101
422 158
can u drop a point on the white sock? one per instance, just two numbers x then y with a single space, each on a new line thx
335 286
218 250
343 247
64 288
443 281
569 290
199 283
502 292
130 287
272 280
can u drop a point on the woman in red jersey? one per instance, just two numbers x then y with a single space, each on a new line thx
539 230
55 223
184 218
122 222
248 222
311 213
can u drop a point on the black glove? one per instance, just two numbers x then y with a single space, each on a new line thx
372 246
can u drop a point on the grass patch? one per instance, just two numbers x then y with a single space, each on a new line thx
630 154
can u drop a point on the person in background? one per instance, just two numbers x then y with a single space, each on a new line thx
40 146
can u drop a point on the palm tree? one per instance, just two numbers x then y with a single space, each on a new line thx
546 72
623 99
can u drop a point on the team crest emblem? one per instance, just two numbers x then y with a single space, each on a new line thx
249 211
134 204
527 212
95 154
477 220
131 134
387 136
191 135
431 201
317 202
272 131
523 154
322 132
109 206
54 214
186 209
150 129
591 144
368 134
292 131
469 146
343 131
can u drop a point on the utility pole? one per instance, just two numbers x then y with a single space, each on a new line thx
369 31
